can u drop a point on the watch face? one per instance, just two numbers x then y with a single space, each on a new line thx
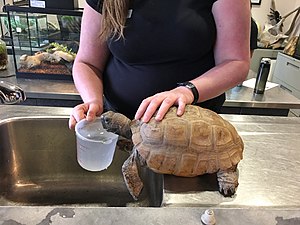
189 85
186 84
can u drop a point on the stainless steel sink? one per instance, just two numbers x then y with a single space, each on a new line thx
38 166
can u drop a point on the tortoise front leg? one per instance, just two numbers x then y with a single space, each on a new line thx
125 144
228 181
131 176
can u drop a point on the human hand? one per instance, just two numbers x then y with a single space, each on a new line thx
161 103
87 111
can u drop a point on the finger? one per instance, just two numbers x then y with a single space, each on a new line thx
79 112
142 108
94 110
72 122
181 108
163 109
151 109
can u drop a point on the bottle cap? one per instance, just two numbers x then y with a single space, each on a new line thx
266 60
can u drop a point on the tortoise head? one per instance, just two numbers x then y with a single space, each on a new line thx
116 123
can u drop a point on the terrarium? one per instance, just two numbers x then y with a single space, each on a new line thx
44 42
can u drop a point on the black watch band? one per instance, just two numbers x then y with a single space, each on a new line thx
192 87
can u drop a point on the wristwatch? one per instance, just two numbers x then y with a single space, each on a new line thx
192 87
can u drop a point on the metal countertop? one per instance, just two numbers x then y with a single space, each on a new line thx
268 191
42 88
144 216
269 174
276 97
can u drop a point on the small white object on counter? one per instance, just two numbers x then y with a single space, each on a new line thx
208 217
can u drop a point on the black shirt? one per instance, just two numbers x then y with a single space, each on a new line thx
166 42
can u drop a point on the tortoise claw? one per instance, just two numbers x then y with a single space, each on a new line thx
227 190
228 182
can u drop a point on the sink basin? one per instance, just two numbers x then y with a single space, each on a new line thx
38 166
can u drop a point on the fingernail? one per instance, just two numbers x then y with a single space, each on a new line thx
89 118
145 119
158 117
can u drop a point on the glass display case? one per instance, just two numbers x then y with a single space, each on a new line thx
44 41
4 29
29 29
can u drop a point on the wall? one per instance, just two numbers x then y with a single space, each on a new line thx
260 12
82 2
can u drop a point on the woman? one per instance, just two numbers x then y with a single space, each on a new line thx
148 55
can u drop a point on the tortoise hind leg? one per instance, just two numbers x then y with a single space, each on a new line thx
131 176
228 181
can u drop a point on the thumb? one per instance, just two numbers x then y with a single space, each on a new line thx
94 110
90 116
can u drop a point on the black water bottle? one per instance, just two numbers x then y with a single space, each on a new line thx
262 76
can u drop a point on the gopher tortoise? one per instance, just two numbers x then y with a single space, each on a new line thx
198 142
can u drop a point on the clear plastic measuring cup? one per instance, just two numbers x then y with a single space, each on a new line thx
95 146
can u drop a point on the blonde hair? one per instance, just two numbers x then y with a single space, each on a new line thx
114 18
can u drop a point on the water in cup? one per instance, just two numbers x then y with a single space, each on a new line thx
95 146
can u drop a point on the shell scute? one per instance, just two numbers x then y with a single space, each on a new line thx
168 165
186 165
176 132
156 160
152 134
201 136
222 137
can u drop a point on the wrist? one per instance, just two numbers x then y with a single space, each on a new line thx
93 99
192 88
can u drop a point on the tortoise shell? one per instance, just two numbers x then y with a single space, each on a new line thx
198 142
